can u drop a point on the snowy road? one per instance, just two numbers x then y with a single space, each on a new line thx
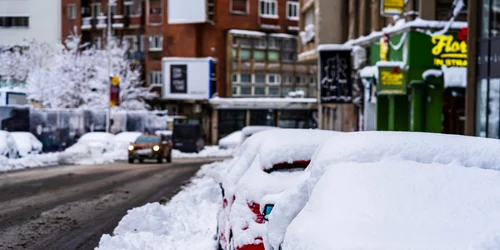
71 207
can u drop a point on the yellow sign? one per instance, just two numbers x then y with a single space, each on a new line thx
449 50
115 80
391 78
392 7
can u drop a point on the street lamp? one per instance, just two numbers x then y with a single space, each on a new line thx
108 118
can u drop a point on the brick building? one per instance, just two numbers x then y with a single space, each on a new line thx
253 44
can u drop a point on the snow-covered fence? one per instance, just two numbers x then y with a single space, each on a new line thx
60 128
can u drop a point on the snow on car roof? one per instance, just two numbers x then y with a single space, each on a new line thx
365 147
400 204
254 129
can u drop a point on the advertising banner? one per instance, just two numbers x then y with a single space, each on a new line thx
392 81
335 76
188 78
392 7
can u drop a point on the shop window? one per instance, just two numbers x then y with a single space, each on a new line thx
259 90
262 117
247 90
494 108
259 55
482 107
230 121
245 54
274 91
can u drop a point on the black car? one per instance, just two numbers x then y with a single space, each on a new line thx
188 138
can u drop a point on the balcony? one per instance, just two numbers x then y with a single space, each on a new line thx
134 22
292 25
155 19
269 23
86 23
117 22
101 21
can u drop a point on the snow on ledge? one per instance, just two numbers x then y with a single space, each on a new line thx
307 53
246 32
431 72
322 47
219 100
401 65
369 71
282 35
188 58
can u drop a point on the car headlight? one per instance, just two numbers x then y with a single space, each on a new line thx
130 147
156 148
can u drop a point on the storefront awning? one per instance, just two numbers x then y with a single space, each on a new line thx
263 103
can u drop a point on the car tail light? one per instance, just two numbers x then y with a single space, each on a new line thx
255 208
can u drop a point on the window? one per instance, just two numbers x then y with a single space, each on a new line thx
155 77
132 8
14 22
273 56
289 50
72 11
268 8
292 10
235 77
260 91
141 43
274 79
274 43
245 54
274 91
246 90
95 9
155 43
131 42
245 78
155 11
113 9
97 42
259 55
260 78
288 79
260 43
239 6
494 108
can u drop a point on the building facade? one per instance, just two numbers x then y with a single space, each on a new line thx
402 51
22 21
483 86
139 23
253 45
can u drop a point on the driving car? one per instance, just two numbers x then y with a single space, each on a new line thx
277 159
27 143
8 147
152 146
394 190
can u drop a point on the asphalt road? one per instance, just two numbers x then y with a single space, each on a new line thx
71 207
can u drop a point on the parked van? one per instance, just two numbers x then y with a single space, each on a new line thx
188 138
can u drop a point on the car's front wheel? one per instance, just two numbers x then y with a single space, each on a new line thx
169 156
130 160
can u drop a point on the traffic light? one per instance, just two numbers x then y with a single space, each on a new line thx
114 91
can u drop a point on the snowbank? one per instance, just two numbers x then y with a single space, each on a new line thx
30 161
207 152
188 221
370 206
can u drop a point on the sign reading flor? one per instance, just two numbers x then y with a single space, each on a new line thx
450 50
392 81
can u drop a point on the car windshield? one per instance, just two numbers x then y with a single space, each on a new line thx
148 139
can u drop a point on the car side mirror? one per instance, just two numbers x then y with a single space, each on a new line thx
267 210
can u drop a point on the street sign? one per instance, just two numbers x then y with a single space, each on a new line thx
392 7
114 92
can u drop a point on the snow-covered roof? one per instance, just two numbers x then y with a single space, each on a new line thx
283 35
275 103
307 53
401 25
246 32
432 72
399 204
401 65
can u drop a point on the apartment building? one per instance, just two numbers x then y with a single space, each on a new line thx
400 42
252 46
26 20
138 22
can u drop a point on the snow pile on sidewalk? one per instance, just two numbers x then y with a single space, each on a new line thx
207 152
30 161
188 221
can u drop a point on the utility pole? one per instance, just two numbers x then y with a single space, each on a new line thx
108 116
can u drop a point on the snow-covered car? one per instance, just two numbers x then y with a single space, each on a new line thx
88 147
232 140
248 131
8 147
278 159
27 143
390 190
